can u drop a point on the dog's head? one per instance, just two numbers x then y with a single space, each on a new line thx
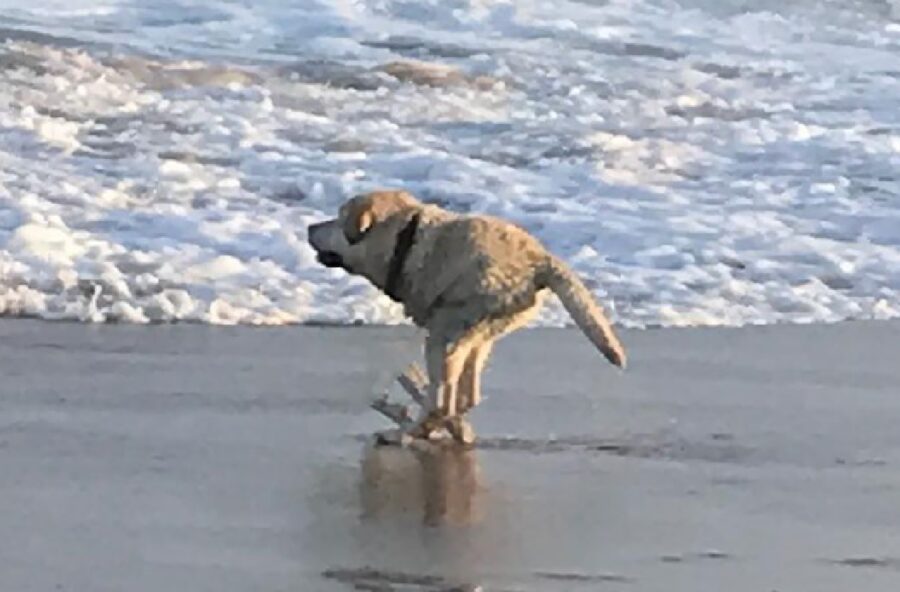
361 239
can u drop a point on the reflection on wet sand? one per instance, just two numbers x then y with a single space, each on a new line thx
421 521
440 482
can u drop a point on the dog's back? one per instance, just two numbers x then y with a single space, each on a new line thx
481 263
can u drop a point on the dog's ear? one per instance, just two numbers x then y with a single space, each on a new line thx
358 221
365 211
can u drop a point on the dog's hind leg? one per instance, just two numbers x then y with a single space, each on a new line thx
414 382
470 382
468 393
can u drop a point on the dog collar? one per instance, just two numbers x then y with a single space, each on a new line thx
405 241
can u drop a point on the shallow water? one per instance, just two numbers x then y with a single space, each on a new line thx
234 459
698 162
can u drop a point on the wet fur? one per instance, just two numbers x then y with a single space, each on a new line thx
468 280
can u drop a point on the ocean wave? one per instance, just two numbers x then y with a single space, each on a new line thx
696 165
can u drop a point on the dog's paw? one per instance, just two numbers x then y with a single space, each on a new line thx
429 426
461 430
392 438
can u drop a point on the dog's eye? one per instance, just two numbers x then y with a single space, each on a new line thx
356 230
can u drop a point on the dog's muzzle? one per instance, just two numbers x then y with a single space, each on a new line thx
330 259
323 256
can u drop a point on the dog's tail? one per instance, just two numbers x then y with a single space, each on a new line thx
580 304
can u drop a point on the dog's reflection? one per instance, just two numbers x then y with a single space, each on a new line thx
440 481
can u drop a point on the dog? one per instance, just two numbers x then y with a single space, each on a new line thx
466 279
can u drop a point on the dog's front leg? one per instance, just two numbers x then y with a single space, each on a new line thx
415 383
468 395
396 412
434 409
435 413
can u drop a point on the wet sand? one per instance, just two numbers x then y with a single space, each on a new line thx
198 458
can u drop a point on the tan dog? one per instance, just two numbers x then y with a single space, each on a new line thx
468 280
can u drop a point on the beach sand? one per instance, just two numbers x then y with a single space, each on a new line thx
236 459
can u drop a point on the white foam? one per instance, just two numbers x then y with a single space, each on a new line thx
697 165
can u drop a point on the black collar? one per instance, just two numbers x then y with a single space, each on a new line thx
405 240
